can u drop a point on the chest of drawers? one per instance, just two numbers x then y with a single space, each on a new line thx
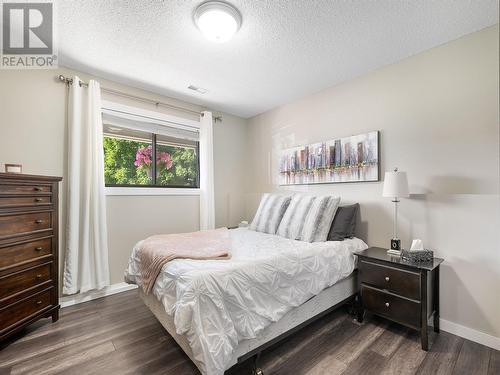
28 250
407 293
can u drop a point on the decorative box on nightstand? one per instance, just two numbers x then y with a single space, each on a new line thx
406 293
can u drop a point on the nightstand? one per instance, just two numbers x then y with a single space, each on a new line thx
406 293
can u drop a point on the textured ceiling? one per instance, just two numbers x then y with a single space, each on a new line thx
283 51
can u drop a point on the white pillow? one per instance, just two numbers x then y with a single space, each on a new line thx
293 220
270 211
319 219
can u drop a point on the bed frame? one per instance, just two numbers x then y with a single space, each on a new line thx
328 300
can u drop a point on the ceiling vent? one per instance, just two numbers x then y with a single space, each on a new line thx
200 90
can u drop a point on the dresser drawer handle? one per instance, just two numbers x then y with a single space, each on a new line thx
38 188
38 277
38 248
38 221
38 302
387 304
38 199
387 278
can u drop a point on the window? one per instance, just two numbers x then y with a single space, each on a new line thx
148 158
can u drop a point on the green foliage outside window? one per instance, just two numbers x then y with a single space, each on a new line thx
121 166
184 170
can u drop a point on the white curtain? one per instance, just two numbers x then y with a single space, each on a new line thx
207 204
86 262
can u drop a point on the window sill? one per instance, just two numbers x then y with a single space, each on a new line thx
150 191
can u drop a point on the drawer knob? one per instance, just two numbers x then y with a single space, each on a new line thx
38 199
38 302
387 278
387 304
38 221
38 248
38 188
38 277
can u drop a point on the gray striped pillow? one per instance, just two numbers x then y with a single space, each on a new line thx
293 220
319 219
270 211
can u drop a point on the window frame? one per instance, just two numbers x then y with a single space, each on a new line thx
158 119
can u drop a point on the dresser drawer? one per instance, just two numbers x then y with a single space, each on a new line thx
11 225
12 255
24 309
391 306
25 201
399 281
31 188
22 280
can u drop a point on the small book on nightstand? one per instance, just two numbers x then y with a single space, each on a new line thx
394 252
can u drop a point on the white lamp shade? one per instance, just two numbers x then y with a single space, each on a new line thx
395 185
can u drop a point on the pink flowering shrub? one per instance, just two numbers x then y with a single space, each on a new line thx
144 158
164 159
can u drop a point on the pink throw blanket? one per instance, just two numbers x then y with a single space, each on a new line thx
157 250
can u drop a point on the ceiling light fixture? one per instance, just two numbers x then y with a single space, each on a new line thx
217 20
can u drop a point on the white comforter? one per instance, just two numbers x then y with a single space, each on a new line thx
218 303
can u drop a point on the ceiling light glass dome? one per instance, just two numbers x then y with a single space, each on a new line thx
217 20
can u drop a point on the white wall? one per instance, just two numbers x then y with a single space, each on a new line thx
437 113
33 132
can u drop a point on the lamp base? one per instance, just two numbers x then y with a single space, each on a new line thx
395 244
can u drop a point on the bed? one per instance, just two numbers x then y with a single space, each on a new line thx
222 312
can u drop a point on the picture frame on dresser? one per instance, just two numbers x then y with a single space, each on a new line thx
13 168
29 248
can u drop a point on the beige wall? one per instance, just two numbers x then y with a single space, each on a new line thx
437 113
33 133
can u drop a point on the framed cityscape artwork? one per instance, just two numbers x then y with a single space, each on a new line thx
349 159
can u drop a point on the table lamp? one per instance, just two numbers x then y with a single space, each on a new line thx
395 186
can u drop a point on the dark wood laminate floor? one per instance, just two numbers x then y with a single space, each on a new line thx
118 335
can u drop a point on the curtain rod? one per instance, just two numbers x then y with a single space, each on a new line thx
69 81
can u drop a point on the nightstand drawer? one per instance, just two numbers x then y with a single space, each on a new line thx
404 283
396 308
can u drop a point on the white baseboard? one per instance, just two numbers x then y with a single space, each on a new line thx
95 294
470 334
445 325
